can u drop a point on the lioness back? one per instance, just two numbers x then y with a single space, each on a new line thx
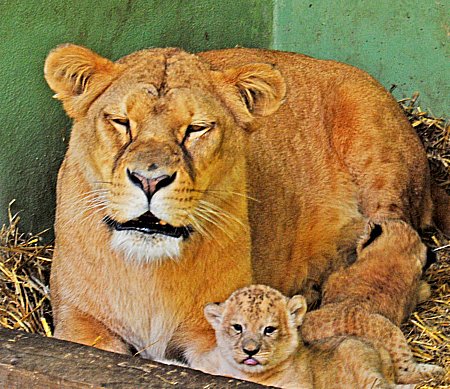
320 163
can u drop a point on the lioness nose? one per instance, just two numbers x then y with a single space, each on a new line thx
150 185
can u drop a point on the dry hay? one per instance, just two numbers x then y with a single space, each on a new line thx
25 265
435 135
428 329
24 274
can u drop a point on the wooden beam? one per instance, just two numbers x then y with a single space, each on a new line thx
29 361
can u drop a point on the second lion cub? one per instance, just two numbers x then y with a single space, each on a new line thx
258 340
358 300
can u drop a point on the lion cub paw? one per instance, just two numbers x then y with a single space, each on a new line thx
420 372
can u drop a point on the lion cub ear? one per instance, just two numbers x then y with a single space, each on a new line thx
213 313
297 309
256 90
78 76
372 232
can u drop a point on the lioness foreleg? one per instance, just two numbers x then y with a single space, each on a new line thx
76 326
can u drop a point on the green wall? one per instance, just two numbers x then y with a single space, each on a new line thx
34 129
399 42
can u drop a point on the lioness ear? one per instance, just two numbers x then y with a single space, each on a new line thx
78 76
213 313
297 309
258 90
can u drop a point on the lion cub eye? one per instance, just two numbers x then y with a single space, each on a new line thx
237 328
269 330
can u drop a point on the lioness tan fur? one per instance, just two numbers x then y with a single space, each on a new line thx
189 176
379 289
257 331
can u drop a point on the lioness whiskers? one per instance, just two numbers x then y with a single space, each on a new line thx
224 192
94 200
212 218
217 210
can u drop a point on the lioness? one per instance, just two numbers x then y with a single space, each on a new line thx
258 340
190 176
384 279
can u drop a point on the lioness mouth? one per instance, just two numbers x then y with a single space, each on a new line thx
148 223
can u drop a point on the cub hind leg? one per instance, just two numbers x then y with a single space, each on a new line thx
359 364
338 319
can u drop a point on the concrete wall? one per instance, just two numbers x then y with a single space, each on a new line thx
399 42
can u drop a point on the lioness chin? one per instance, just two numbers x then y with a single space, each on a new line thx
189 176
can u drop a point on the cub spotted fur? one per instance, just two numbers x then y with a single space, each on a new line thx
359 300
258 340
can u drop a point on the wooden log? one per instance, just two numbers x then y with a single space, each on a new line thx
33 361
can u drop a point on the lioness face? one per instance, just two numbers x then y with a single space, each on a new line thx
173 148
256 328
161 139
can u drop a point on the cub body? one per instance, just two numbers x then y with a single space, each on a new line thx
364 299
258 340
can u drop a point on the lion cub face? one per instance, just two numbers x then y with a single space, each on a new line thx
159 138
256 327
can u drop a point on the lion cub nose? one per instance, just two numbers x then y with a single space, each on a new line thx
150 185
251 348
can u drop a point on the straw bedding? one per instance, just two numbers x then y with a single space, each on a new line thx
25 264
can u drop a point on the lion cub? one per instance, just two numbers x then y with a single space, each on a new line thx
258 340
375 294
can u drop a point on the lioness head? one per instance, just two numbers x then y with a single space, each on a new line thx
257 327
159 138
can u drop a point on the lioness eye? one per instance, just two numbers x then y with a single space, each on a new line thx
120 123
237 328
194 131
269 330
